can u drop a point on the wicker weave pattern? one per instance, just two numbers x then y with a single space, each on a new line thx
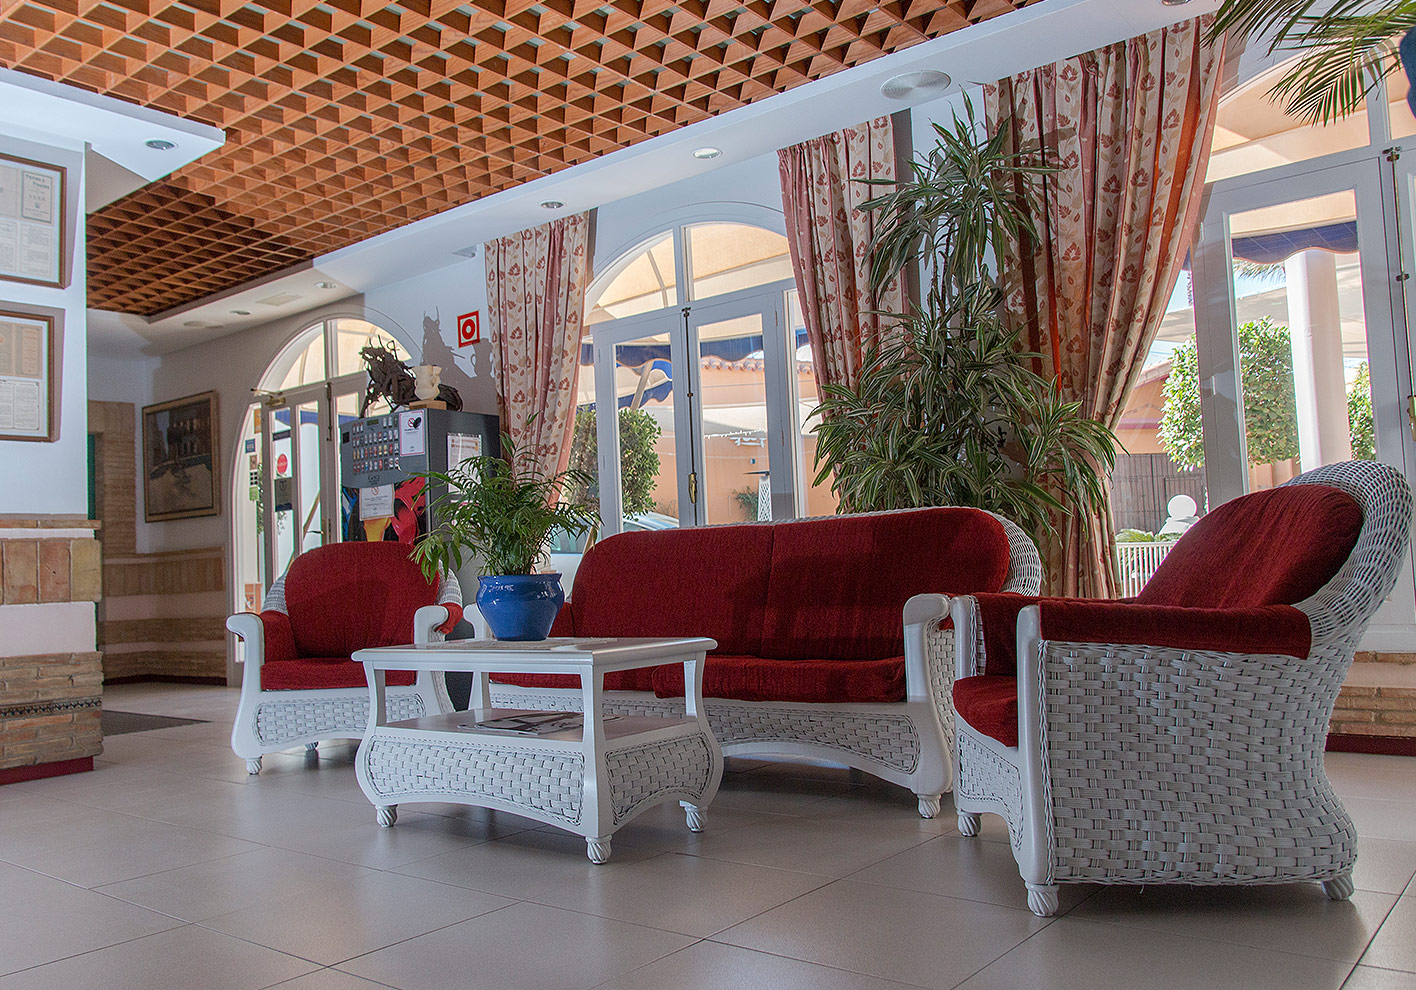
282 721
548 782
1168 765
939 663
641 774
983 776
1024 562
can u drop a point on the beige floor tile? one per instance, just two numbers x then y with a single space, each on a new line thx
827 847
360 839
776 794
894 934
1382 819
1297 918
522 947
1387 865
1372 978
1071 954
182 957
258 878
329 979
687 894
1371 775
954 866
712 966
888 806
102 847
43 919
337 921
1395 944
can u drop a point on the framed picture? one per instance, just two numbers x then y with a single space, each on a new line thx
179 458
28 383
32 201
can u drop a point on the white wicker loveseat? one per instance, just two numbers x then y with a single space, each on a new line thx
1178 737
299 684
833 640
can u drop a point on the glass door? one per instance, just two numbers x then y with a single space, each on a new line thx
1302 347
300 463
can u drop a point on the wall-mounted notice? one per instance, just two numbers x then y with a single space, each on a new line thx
31 222
27 392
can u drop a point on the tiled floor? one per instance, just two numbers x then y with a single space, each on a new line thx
169 867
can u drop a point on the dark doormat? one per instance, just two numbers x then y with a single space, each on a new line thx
117 723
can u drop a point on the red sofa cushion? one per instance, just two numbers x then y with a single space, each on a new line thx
348 596
838 586
990 705
1274 547
320 673
279 639
823 681
708 581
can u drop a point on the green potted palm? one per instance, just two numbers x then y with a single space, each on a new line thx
500 512
950 411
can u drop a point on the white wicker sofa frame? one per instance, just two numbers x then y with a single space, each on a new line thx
268 721
908 743
1208 768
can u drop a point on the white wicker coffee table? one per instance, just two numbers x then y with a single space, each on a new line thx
588 782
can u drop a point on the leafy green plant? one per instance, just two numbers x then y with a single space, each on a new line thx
1359 415
949 411
639 461
496 510
1270 410
1347 46
747 499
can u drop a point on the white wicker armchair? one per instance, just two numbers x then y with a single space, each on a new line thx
1143 763
299 684
908 743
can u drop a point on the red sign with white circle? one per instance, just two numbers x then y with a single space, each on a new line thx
282 464
469 328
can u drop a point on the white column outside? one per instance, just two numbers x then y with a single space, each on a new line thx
1319 383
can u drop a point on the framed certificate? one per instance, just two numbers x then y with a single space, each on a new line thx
28 392
32 198
179 458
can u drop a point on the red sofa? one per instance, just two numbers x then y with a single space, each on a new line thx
832 633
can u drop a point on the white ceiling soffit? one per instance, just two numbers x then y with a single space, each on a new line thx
48 112
1024 39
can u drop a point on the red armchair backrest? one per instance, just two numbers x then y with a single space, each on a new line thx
347 596
1274 547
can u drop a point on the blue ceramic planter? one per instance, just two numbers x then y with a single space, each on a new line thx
520 606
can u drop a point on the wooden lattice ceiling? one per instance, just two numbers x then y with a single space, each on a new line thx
346 118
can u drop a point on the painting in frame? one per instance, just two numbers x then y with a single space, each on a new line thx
33 198
179 458
28 382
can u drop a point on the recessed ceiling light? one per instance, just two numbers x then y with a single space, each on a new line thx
157 144
909 85
551 204
324 285
240 312
194 323
706 153
1174 3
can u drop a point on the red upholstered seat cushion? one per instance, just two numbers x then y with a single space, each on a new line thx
1274 547
821 681
990 705
708 581
838 586
349 596
320 673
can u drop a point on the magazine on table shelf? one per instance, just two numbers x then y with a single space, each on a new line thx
530 723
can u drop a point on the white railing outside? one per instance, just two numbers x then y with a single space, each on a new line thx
1137 562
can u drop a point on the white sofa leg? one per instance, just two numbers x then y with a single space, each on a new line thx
969 823
694 816
1339 888
1042 899
253 766
310 747
929 804
387 814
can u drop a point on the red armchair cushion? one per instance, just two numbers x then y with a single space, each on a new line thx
348 596
822 681
279 637
320 673
990 705
998 616
707 581
454 616
1264 629
1274 547
839 586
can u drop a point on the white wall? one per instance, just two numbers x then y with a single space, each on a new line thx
46 479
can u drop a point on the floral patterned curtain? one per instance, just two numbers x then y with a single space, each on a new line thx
536 281
830 243
1128 128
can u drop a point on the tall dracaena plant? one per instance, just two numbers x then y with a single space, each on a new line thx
1346 45
949 410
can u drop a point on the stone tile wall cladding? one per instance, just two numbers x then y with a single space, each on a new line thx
50 703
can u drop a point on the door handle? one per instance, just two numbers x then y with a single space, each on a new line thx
693 487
